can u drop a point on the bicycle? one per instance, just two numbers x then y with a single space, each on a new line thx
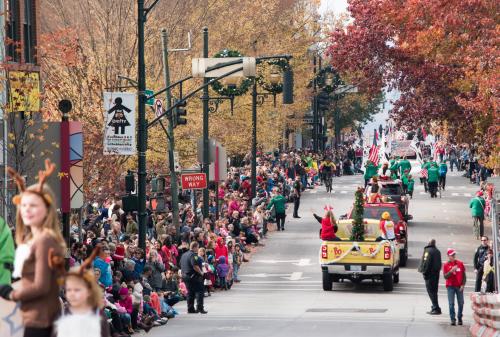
475 228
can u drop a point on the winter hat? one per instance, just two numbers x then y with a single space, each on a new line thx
123 291
451 251
479 193
119 253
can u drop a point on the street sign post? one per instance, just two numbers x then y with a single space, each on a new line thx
194 181
149 93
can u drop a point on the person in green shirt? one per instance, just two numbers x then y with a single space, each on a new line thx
370 171
279 203
7 253
411 185
394 168
404 165
477 205
131 227
404 180
433 178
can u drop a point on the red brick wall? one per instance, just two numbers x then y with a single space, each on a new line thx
22 65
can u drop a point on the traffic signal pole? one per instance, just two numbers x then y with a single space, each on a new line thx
142 140
205 98
170 135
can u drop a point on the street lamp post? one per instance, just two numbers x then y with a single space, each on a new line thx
287 89
254 138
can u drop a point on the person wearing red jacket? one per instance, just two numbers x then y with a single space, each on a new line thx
220 249
454 274
328 225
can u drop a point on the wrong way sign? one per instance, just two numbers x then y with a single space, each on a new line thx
194 181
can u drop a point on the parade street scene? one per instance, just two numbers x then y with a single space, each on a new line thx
274 168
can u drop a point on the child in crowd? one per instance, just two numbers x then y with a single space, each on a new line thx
237 261
82 317
222 271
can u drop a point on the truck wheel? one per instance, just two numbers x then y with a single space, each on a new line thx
387 281
403 257
335 279
395 278
327 281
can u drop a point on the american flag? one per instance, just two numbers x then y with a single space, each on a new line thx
373 156
435 152
424 173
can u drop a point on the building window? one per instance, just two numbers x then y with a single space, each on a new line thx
29 27
13 34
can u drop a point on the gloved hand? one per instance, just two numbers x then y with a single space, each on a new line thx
5 291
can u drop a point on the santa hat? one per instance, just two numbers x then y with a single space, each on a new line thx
451 252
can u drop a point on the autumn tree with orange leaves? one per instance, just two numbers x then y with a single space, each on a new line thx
87 44
441 55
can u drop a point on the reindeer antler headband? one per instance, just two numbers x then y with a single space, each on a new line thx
42 178
80 271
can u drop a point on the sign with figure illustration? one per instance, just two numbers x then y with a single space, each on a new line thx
119 127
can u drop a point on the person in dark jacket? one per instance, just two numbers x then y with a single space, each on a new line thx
430 267
479 257
297 189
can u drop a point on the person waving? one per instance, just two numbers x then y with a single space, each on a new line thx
328 225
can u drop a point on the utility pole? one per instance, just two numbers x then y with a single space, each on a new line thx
170 135
142 139
315 108
205 98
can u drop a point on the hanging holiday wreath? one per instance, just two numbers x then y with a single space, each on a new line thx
231 91
321 79
266 70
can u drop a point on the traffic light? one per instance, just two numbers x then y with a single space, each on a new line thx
180 113
130 202
158 185
158 189
129 182
323 100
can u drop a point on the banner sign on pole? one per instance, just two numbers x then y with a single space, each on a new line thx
119 128
194 181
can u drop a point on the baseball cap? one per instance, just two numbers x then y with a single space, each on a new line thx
451 251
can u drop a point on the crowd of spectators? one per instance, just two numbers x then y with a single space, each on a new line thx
142 287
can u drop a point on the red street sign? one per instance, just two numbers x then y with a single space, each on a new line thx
194 181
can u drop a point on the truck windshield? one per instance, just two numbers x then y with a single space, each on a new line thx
391 190
376 213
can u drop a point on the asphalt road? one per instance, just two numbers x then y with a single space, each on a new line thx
281 295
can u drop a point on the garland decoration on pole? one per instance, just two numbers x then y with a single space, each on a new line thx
358 228
321 79
280 64
231 91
